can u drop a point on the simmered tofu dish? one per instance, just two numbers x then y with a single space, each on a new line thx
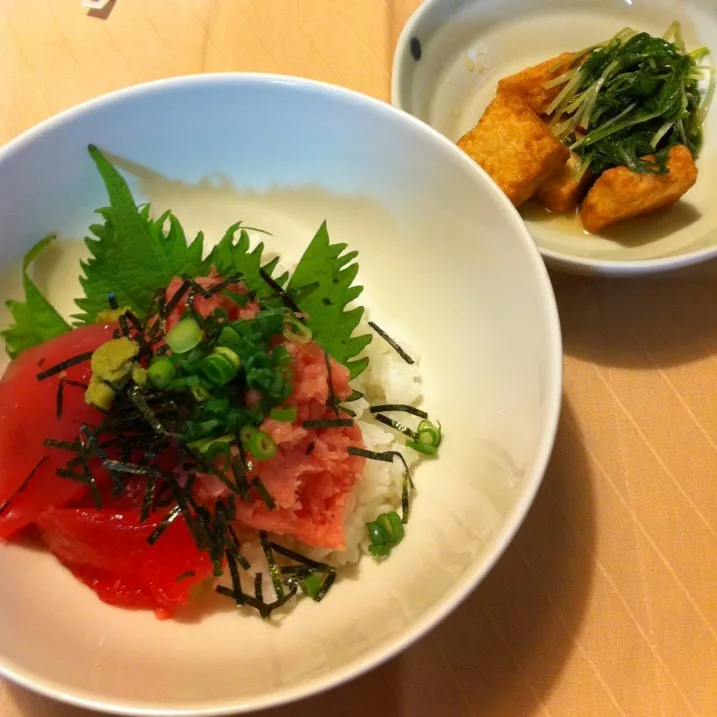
612 130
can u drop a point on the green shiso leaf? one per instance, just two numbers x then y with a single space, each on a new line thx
235 255
35 319
331 322
131 254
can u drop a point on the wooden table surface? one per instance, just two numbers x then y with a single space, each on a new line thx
606 602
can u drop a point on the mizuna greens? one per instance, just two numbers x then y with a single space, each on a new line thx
631 96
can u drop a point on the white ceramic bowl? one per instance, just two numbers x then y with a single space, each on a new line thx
468 45
433 232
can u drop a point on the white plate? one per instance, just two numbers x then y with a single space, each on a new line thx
447 265
468 45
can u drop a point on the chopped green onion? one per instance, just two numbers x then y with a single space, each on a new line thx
385 533
245 434
424 448
295 331
392 526
229 354
203 445
200 393
228 337
161 372
310 585
217 405
262 446
379 540
221 366
429 433
184 336
285 415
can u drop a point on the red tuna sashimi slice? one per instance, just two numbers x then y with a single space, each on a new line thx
28 416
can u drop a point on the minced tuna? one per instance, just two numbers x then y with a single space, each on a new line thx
312 475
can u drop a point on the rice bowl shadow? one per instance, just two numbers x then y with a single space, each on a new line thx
645 322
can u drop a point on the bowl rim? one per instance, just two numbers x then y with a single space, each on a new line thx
552 402
570 263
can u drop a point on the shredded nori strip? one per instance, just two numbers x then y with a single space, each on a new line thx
263 493
285 297
297 293
141 402
124 326
295 570
74 475
166 522
399 407
258 589
396 426
67 363
59 398
221 286
186 574
196 287
299 558
331 400
148 498
264 609
218 472
236 580
134 320
86 441
240 476
391 342
388 456
329 423
271 562
268 608
132 468
63 445
325 586
235 548
405 499
22 486
79 384
176 298
310 448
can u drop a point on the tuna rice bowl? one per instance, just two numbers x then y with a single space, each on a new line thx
208 418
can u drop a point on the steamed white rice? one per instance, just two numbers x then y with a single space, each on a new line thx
388 379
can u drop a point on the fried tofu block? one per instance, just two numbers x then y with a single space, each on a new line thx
561 192
512 144
621 194
528 84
